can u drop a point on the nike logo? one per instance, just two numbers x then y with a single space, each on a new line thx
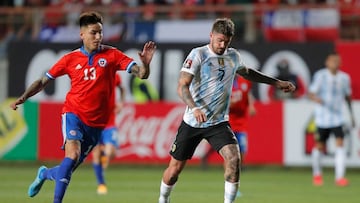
78 67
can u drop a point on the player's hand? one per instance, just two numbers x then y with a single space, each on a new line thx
147 52
17 102
199 115
353 123
118 107
252 110
286 86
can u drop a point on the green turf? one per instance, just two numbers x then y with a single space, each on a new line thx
140 184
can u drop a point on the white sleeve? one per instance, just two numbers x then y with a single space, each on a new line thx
192 62
316 83
240 63
348 91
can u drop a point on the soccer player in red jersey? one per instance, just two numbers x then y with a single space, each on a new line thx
241 106
91 69
105 150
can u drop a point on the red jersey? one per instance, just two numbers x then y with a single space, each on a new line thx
238 115
92 82
111 121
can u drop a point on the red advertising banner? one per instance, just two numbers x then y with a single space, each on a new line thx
146 132
349 52
266 134
50 136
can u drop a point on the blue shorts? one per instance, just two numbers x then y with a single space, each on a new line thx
74 129
109 136
242 140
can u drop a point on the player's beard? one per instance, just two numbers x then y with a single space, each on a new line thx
218 51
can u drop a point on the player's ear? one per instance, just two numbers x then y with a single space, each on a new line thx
82 31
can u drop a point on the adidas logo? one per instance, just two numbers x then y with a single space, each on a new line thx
78 67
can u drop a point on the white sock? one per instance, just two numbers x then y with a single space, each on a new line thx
230 191
339 162
316 162
165 191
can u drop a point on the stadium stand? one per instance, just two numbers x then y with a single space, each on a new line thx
265 20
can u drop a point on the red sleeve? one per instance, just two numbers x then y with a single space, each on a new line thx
123 61
300 91
271 92
59 68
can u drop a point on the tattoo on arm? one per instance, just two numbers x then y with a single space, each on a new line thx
135 71
141 72
256 76
183 89
186 96
35 87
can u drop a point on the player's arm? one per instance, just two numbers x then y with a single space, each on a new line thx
349 104
256 76
33 89
146 55
120 104
183 91
252 109
313 97
122 93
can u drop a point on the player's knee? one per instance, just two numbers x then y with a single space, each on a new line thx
233 161
74 155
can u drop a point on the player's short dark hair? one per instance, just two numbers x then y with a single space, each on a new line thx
224 26
89 18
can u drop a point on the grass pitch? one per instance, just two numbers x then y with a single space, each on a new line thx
140 184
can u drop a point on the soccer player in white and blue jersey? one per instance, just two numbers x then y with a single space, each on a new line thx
205 84
329 89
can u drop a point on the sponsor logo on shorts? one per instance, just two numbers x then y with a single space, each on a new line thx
173 148
72 132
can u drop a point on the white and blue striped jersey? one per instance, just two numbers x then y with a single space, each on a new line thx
212 83
332 90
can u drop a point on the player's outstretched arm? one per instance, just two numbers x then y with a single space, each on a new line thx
34 88
256 76
146 55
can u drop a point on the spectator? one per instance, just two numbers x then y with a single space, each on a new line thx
284 73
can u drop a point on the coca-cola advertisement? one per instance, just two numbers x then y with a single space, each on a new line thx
146 132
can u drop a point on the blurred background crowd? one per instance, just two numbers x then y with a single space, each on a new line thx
53 20
166 21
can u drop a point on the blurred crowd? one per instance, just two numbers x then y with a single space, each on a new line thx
53 20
